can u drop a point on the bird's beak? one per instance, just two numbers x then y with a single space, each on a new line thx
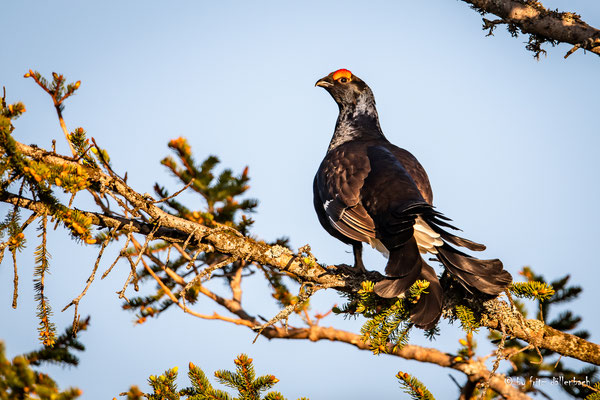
324 83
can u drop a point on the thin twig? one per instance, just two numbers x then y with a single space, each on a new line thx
105 162
499 357
453 379
192 261
89 281
29 220
181 251
15 277
208 271
287 311
573 50
124 206
121 293
173 275
165 288
149 238
537 349
71 200
187 241
174 194
511 354
121 254
168 256
557 361
57 105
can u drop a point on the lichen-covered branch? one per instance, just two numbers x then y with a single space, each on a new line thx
543 25
475 370
178 230
498 313
306 271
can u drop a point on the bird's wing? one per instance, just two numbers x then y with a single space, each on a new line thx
338 183
414 169
394 202
368 195
391 197
411 180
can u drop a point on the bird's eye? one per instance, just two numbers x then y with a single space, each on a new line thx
343 80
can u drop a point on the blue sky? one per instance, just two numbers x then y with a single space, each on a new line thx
510 145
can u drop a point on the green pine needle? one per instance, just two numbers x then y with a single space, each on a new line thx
47 330
468 322
164 386
532 290
19 381
243 380
413 387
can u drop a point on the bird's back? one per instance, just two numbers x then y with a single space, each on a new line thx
346 158
414 169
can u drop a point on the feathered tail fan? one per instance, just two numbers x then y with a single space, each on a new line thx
426 313
486 276
404 267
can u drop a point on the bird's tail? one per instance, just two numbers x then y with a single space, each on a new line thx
428 309
404 266
486 276
426 313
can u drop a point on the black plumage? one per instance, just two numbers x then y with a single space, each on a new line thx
369 190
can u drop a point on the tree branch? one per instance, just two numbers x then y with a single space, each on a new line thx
535 332
474 369
534 19
494 313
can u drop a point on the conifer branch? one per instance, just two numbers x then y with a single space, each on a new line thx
533 290
59 94
227 241
542 25
414 387
46 329
169 293
244 380
475 370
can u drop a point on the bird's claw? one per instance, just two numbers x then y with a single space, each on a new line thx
344 269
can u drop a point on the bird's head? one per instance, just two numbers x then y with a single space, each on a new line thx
347 89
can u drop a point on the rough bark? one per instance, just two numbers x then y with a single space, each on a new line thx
475 370
532 18
497 313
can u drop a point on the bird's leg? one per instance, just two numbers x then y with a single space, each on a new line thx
358 262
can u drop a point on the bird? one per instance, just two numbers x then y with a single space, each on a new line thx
367 190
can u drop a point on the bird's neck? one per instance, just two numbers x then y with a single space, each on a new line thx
356 121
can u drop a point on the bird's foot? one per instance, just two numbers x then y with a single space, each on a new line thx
345 269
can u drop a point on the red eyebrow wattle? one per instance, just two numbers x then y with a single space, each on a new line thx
342 73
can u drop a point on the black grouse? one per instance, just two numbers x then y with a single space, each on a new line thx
368 190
